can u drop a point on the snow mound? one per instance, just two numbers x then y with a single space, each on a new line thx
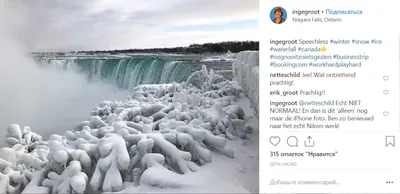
157 137
246 73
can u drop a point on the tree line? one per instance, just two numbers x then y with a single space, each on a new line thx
220 47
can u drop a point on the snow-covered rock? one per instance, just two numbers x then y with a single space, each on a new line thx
246 73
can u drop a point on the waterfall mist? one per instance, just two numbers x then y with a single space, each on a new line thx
47 100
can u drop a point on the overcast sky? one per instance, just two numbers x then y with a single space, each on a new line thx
65 25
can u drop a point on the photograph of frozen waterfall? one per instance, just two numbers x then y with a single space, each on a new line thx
129 96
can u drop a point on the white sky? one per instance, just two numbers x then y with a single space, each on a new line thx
64 25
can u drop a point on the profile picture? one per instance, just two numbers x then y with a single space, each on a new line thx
278 15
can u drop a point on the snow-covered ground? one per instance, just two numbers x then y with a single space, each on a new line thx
226 175
197 136
242 170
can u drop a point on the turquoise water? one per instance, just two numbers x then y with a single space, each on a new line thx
127 73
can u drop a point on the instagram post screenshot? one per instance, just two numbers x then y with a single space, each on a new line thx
129 96
199 96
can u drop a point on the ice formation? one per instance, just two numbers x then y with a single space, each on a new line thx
246 72
71 180
156 137
229 56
